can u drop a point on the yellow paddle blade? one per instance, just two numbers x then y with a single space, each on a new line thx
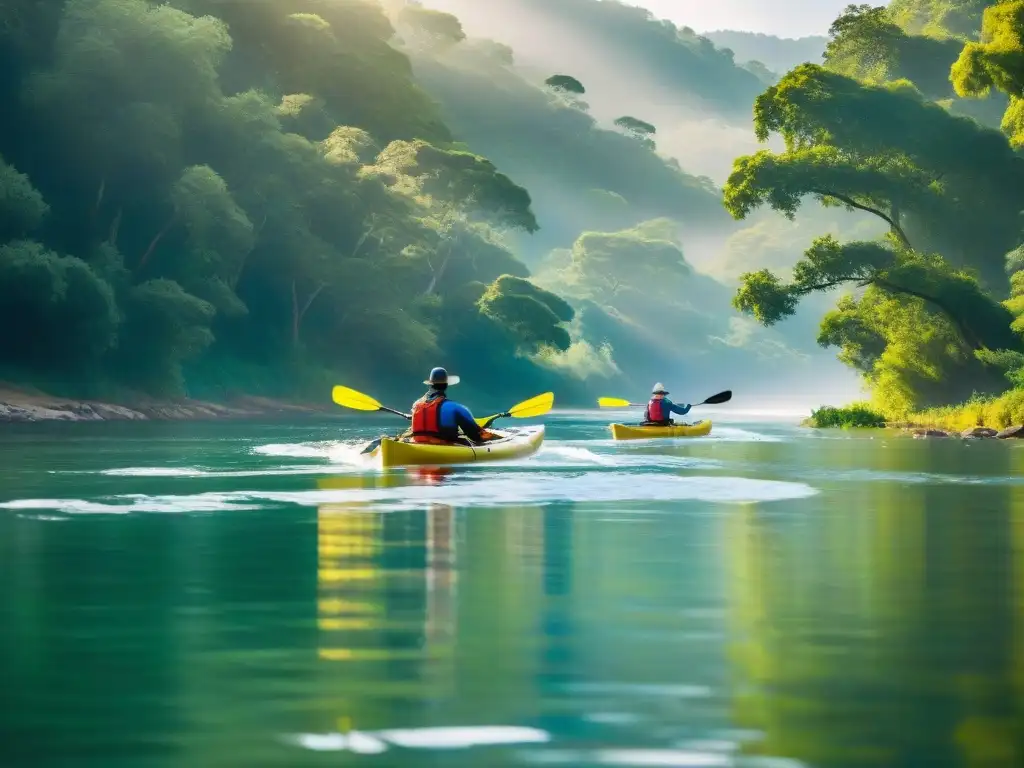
612 402
349 398
535 406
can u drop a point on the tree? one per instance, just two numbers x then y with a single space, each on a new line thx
164 328
997 61
22 208
565 84
430 28
939 18
868 44
66 314
216 237
638 129
903 159
534 317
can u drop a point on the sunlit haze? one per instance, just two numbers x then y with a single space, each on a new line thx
785 18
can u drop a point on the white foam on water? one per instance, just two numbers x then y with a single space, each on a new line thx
194 472
124 505
292 450
640 689
483 489
334 452
739 435
461 737
570 454
153 472
470 490
456 737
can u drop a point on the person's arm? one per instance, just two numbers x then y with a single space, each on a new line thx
682 410
464 420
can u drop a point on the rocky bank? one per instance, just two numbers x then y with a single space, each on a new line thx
20 406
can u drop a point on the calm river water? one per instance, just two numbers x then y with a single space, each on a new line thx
252 595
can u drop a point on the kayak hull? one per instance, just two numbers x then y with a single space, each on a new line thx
637 432
513 444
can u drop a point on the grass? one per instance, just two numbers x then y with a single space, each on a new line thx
855 415
1006 410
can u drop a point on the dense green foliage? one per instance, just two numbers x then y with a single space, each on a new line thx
934 317
853 416
217 186
211 195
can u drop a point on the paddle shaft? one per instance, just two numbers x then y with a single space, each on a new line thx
721 397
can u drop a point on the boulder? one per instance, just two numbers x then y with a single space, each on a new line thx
978 433
920 434
1012 433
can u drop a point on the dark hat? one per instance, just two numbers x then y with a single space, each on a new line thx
440 376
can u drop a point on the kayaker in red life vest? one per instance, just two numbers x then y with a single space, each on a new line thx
436 419
660 408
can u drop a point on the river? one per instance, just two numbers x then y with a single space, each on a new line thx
252 595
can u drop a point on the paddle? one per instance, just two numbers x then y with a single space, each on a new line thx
349 398
357 401
618 402
535 406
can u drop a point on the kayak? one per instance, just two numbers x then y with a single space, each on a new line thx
637 432
511 444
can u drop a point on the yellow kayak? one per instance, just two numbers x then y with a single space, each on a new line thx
637 432
511 444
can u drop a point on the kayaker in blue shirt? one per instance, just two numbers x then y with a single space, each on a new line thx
660 408
436 419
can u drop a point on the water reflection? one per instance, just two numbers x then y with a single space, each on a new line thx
889 637
392 620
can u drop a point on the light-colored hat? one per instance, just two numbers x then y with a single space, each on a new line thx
659 389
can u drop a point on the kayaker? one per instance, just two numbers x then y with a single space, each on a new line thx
436 419
660 408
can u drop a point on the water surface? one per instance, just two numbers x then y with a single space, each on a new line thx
257 595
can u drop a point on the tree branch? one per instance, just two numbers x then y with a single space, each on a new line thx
867 209
862 282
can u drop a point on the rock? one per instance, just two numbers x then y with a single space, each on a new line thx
1011 433
978 433
920 434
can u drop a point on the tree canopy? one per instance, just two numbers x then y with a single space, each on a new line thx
948 189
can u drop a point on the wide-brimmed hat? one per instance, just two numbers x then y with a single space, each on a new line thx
659 389
440 376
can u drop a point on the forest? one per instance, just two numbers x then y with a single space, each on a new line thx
213 197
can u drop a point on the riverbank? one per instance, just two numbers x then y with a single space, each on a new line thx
999 413
1000 417
19 405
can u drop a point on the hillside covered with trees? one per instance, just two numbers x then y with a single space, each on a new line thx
209 197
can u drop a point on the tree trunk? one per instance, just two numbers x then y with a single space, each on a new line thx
437 275
115 228
155 242
299 312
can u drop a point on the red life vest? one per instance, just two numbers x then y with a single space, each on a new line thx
426 422
656 411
